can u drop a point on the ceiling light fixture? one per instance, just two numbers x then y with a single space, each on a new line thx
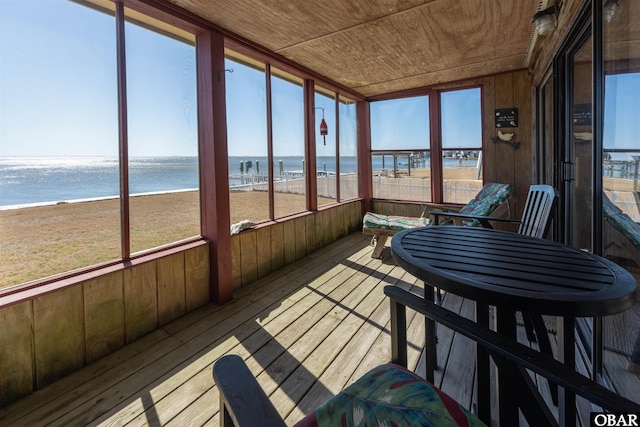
544 21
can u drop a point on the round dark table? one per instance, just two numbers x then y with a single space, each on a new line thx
513 272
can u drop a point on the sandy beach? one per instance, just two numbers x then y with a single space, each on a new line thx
41 241
46 240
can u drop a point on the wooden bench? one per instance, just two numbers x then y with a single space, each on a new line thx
492 200
382 226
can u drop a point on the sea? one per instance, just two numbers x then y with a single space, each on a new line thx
33 181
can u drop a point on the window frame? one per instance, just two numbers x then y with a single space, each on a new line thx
435 137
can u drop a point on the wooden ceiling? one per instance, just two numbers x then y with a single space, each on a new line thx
378 47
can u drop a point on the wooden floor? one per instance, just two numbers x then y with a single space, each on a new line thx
306 332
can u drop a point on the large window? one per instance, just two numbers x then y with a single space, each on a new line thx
461 124
400 149
409 164
325 109
287 105
621 190
60 170
162 136
348 150
247 140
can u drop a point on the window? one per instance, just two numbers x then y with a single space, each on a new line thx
461 144
59 141
247 140
348 175
162 136
325 109
620 175
287 105
408 164
400 149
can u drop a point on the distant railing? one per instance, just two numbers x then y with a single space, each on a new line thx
406 188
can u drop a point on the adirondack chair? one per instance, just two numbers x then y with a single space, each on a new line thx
536 217
492 200
388 392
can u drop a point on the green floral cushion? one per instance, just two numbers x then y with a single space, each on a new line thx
390 395
621 221
374 220
393 222
488 199
625 225
404 222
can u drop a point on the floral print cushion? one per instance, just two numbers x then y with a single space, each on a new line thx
404 222
488 199
374 220
621 221
393 222
625 225
390 395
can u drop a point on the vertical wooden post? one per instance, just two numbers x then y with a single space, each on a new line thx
437 195
270 174
214 174
123 135
310 145
337 133
365 171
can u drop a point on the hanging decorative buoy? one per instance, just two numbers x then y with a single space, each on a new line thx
324 130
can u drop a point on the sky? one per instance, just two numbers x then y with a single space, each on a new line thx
58 96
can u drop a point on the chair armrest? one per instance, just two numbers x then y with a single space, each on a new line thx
484 220
243 403
504 347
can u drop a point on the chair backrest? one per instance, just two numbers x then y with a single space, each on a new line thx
488 201
536 217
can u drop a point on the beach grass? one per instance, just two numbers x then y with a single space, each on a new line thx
41 241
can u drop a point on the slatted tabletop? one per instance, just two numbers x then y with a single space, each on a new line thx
508 269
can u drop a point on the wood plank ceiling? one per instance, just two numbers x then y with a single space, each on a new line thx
377 47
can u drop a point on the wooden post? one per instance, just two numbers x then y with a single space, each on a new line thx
365 173
214 174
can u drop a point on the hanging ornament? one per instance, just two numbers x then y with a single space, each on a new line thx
324 130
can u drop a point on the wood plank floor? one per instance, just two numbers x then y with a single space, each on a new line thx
306 332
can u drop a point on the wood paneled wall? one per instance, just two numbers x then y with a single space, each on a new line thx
502 163
257 252
53 334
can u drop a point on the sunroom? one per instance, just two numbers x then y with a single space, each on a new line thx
193 176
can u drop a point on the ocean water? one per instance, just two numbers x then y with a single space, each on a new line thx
45 180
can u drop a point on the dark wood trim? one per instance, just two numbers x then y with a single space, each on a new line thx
598 106
435 146
271 186
214 174
310 145
123 139
365 169
337 131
